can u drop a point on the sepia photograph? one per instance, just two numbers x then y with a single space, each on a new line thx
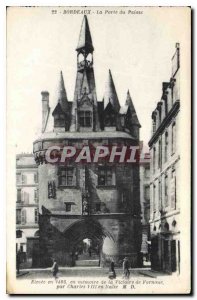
98 175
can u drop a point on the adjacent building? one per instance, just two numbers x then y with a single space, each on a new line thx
145 208
99 202
27 229
164 182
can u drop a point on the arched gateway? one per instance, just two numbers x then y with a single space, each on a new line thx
97 204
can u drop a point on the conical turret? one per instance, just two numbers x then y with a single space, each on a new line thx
134 117
110 94
61 94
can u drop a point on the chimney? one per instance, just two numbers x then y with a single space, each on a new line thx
45 108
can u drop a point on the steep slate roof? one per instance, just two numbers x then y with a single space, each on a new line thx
129 102
61 94
85 39
110 94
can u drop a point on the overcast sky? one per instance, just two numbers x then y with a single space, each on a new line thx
136 47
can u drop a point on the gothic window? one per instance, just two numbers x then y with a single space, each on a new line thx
105 176
18 216
18 195
66 176
85 118
36 215
173 138
166 147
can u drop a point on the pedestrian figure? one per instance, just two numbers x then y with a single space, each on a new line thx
55 268
18 261
90 252
112 273
126 272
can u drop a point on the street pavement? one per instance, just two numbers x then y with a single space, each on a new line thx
85 272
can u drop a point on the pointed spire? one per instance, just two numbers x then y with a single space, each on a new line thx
85 39
85 85
62 96
110 94
129 102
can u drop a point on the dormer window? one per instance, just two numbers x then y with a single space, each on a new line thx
110 120
59 120
85 118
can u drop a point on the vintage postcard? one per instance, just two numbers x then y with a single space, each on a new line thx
98 150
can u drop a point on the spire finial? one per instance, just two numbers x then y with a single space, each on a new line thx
85 39
62 96
110 93
129 102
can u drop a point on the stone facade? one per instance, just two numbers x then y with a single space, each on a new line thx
27 229
97 201
164 183
145 207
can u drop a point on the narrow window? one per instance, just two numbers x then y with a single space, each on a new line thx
98 207
18 195
36 196
36 215
166 191
154 159
24 179
147 192
68 207
166 147
23 216
154 200
173 138
18 178
18 216
160 155
35 178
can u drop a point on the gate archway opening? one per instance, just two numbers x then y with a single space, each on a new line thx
84 240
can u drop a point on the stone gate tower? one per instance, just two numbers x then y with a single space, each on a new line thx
95 201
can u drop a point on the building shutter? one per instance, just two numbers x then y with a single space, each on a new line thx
23 217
